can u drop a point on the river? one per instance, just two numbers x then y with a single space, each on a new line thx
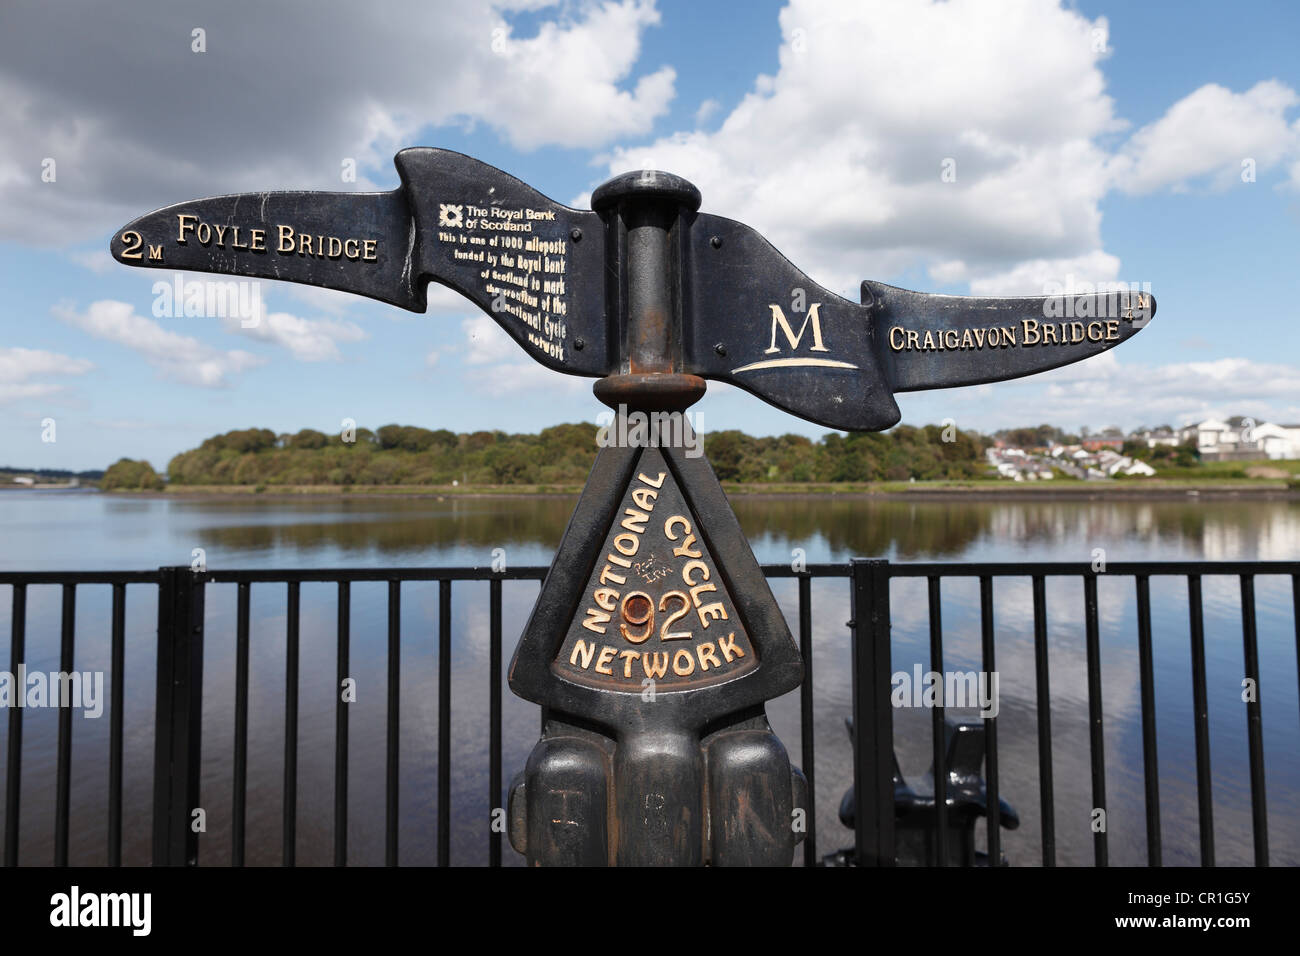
80 530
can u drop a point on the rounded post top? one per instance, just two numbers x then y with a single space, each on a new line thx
647 184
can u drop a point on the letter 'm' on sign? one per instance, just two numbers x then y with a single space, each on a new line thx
779 321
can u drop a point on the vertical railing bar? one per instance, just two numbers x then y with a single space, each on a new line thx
178 716
938 731
239 794
873 717
117 657
1096 730
343 664
63 780
1042 683
14 758
1295 617
807 722
494 716
1150 763
1201 718
444 722
1254 721
394 710
993 816
289 852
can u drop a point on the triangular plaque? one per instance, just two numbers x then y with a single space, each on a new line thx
655 610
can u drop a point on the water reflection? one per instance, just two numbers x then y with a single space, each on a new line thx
92 531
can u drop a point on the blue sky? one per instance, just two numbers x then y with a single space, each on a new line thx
1099 141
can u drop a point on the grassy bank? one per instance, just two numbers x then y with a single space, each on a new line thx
1060 487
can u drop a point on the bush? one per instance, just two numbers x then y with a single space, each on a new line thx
127 474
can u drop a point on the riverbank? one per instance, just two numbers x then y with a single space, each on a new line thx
1149 488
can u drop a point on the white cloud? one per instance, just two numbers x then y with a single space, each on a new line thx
706 111
839 157
1104 389
486 342
310 340
513 378
495 371
1210 133
179 358
15 393
18 365
98 261
573 83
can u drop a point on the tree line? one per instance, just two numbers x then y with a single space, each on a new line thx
562 454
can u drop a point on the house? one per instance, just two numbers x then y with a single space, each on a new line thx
1155 437
1240 439
1098 443
1276 441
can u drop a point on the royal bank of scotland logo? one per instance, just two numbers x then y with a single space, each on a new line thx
450 216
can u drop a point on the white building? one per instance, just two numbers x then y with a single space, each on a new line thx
1218 440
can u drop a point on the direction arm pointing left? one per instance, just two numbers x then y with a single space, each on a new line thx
534 265
355 242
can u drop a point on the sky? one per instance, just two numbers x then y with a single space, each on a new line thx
995 147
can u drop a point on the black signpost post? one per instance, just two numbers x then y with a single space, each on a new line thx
655 641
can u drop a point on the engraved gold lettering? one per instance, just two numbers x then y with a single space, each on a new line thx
286 238
728 647
603 661
1031 328
692 566
655 664
584 650
596 620
183 227
779 321
607 572
712 612
707 656
633 519
628 658
683 669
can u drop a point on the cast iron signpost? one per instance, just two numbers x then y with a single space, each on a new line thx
656 641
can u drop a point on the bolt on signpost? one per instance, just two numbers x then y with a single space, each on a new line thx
655 642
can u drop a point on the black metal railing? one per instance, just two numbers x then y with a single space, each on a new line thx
178 705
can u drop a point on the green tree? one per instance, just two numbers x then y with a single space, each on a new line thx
126 474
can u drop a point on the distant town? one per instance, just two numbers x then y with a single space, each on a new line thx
1044 453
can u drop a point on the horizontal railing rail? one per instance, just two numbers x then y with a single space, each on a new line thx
178 704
